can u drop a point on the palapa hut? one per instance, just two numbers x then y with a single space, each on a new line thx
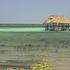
57 23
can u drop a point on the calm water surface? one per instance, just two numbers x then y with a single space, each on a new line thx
22 26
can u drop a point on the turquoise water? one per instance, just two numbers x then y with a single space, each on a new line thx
22 26
31 29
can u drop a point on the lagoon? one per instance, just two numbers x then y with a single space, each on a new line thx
22 29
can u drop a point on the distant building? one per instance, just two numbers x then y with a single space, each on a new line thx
57 23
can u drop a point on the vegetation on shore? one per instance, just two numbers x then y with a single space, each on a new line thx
14 24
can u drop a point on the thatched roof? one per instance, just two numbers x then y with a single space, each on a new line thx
56 19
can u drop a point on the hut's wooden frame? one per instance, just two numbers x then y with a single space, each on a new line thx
57 26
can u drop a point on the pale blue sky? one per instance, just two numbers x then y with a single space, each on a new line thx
32 11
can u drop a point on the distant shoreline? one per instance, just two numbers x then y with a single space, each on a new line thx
14 24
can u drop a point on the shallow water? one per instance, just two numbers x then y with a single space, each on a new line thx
22 26
22 29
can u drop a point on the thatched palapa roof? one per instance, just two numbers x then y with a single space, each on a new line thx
56 19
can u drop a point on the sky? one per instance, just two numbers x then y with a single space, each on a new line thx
32 11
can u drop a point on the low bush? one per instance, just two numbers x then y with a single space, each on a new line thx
41 66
